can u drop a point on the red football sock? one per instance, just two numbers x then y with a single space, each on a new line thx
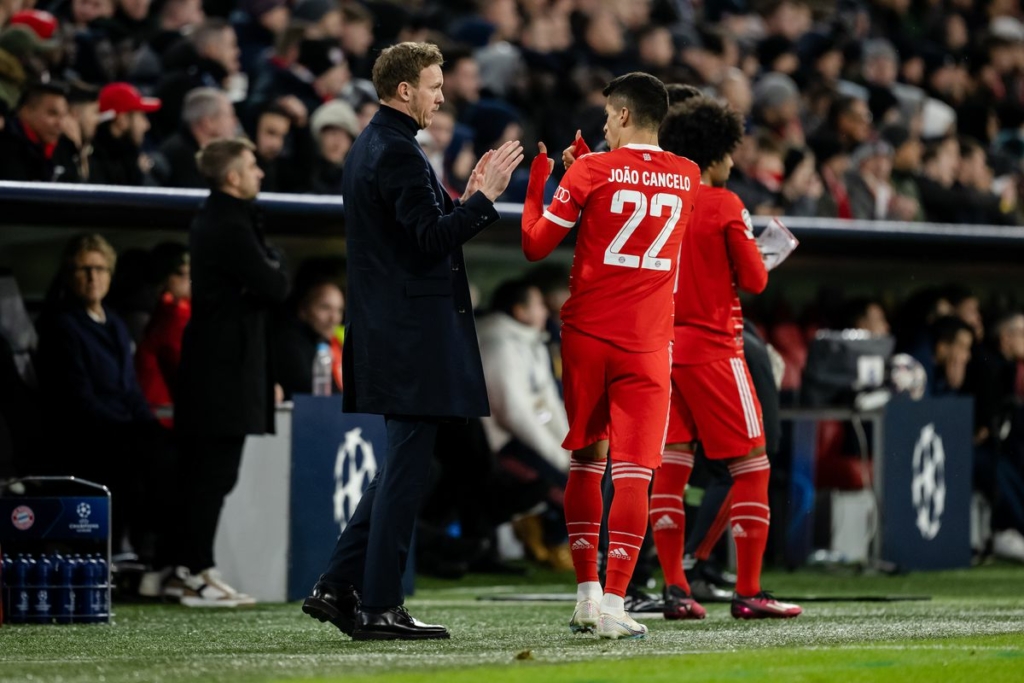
703 551
627 523
750 519
583 511
668 515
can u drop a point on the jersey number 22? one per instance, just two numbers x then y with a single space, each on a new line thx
613 255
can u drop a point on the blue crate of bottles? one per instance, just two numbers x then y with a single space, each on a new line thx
55 588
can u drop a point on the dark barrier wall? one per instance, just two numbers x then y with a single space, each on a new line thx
101 206
860 257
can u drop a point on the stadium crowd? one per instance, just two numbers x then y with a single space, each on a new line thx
870 110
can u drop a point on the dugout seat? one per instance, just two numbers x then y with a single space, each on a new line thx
19 400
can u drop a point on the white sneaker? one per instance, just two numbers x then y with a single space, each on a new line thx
1008 544
194 591
151 585
616 626
213 578
584 619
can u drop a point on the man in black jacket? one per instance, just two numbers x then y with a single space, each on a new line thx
206 115
32 144
119 137
225 389
411 351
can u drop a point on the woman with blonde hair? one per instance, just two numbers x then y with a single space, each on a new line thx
87 381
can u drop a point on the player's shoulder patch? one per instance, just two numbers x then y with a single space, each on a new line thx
732 206
745 215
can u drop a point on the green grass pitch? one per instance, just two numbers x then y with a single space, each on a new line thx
971 630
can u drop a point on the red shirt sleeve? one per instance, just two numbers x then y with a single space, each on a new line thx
544 229
744 256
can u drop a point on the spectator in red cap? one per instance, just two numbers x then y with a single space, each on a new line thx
43 24
29 38
32 37
32 144
118 142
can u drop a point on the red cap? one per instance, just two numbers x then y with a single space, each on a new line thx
121 98
43 24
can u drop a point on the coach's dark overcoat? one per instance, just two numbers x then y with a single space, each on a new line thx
410 346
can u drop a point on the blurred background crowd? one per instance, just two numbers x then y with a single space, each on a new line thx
909 110
871 109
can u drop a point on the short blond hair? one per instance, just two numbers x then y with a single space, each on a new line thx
403 63
85 243
220 157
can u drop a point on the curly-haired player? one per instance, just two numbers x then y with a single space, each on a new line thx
713 399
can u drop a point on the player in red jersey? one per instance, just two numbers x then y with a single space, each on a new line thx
632 204
713 399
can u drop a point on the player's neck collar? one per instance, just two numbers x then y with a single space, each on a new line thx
646 148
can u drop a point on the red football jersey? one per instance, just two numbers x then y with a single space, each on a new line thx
718 255
633 205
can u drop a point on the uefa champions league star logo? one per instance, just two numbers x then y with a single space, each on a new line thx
928 487
354 469
84 510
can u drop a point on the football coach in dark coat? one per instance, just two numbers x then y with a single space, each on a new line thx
411 350
225 386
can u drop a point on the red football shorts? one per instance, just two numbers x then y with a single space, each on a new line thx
618 395
715 403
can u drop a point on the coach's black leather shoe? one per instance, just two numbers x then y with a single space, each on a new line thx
334 602
394 624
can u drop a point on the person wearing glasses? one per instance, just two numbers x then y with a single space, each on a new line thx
88 386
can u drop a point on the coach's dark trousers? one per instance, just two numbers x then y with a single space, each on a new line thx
372 551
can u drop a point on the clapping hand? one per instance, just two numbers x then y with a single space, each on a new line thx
476 176
499 168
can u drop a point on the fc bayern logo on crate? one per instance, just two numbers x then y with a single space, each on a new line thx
22 517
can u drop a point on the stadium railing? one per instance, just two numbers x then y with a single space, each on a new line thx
103 206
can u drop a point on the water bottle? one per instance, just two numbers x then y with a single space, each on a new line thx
42 578
20 607
322 366
100 607
82 573
64 595
6 568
